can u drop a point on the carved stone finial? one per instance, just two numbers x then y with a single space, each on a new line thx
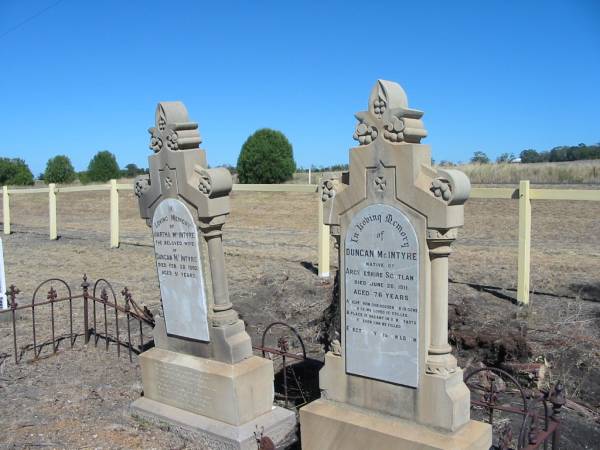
173 129
389 111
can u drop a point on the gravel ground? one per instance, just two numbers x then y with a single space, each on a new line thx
79 398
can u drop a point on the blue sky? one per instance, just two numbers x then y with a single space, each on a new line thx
84 76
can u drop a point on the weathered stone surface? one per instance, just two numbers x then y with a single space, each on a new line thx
336 426
231 393
278 424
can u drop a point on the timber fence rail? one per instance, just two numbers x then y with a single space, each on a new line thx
524 194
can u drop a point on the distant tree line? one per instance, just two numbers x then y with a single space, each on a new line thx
266 157
59 169
557 154
333 168
562 153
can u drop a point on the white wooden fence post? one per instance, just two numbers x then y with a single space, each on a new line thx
6 209
323 242
52 211
524 242
114 214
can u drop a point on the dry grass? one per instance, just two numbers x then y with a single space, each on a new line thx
581 172
270 244
576 172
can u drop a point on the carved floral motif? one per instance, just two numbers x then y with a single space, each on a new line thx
141 186
205 184
380 184
172 141
393 130
327 190
441 188
379 106
156 144
365 134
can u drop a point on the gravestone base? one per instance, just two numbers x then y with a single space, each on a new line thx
6 317
220 401
279 425
445 400
328 425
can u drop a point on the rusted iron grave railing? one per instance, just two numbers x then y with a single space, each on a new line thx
498 398
296 378
104 304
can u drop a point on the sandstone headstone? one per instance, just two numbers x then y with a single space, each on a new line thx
201 376
392 381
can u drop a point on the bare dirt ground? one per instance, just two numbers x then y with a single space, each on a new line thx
79 398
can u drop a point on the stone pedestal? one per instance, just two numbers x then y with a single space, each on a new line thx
221 403
338 426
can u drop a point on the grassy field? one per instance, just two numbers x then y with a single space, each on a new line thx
576 172
271 250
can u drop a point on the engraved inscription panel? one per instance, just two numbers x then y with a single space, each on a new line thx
180 270
382 296
182 387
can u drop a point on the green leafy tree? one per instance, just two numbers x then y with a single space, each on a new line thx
14 171
59 170
266 157
480 158
103 167
530 156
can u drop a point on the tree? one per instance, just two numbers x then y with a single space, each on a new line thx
59 170
266 157
103 167
505 158
446 163
480 158
132 170
530 156
14 171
